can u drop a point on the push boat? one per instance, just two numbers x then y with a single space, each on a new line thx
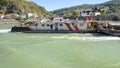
58 26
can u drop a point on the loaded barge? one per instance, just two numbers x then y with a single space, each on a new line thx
112 29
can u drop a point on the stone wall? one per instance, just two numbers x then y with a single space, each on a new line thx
8 21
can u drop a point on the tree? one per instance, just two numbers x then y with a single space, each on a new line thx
2 12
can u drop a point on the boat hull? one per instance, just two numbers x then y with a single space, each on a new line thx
60 31
20 29
110 32
28 30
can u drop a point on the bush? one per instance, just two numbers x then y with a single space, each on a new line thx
2 12
18 18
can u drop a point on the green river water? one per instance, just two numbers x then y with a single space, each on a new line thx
37 50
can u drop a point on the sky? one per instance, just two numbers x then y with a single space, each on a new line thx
57 4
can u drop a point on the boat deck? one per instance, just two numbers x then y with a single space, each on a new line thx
60 31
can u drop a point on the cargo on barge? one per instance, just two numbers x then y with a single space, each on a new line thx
109 28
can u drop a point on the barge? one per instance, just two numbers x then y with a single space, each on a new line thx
112 29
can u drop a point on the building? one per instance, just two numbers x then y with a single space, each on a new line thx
91 12
85 12
35 15
1 16
8 16
11 16
96 11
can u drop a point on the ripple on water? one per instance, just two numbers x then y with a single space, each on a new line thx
5 51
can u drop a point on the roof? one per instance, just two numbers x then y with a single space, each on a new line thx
8 14
96 9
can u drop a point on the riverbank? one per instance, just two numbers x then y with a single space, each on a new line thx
8 21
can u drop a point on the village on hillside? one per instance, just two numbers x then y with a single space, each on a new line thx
27 10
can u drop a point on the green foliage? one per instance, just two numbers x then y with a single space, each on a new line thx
107 7
19 13
71 11
2 12
75 13
22 6
18 18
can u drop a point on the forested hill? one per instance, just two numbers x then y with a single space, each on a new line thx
113 5
21 6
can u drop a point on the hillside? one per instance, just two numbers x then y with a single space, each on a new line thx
112 3
112 6
21 6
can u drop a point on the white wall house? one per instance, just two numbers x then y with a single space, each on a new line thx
97 13
32 15
23 16
85 12
2 16
91 12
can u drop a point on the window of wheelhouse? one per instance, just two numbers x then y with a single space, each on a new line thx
61 24
47 24
43 25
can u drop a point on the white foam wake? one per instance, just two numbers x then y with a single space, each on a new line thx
5 31
94 38
102 38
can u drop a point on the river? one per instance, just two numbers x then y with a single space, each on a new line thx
74 50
